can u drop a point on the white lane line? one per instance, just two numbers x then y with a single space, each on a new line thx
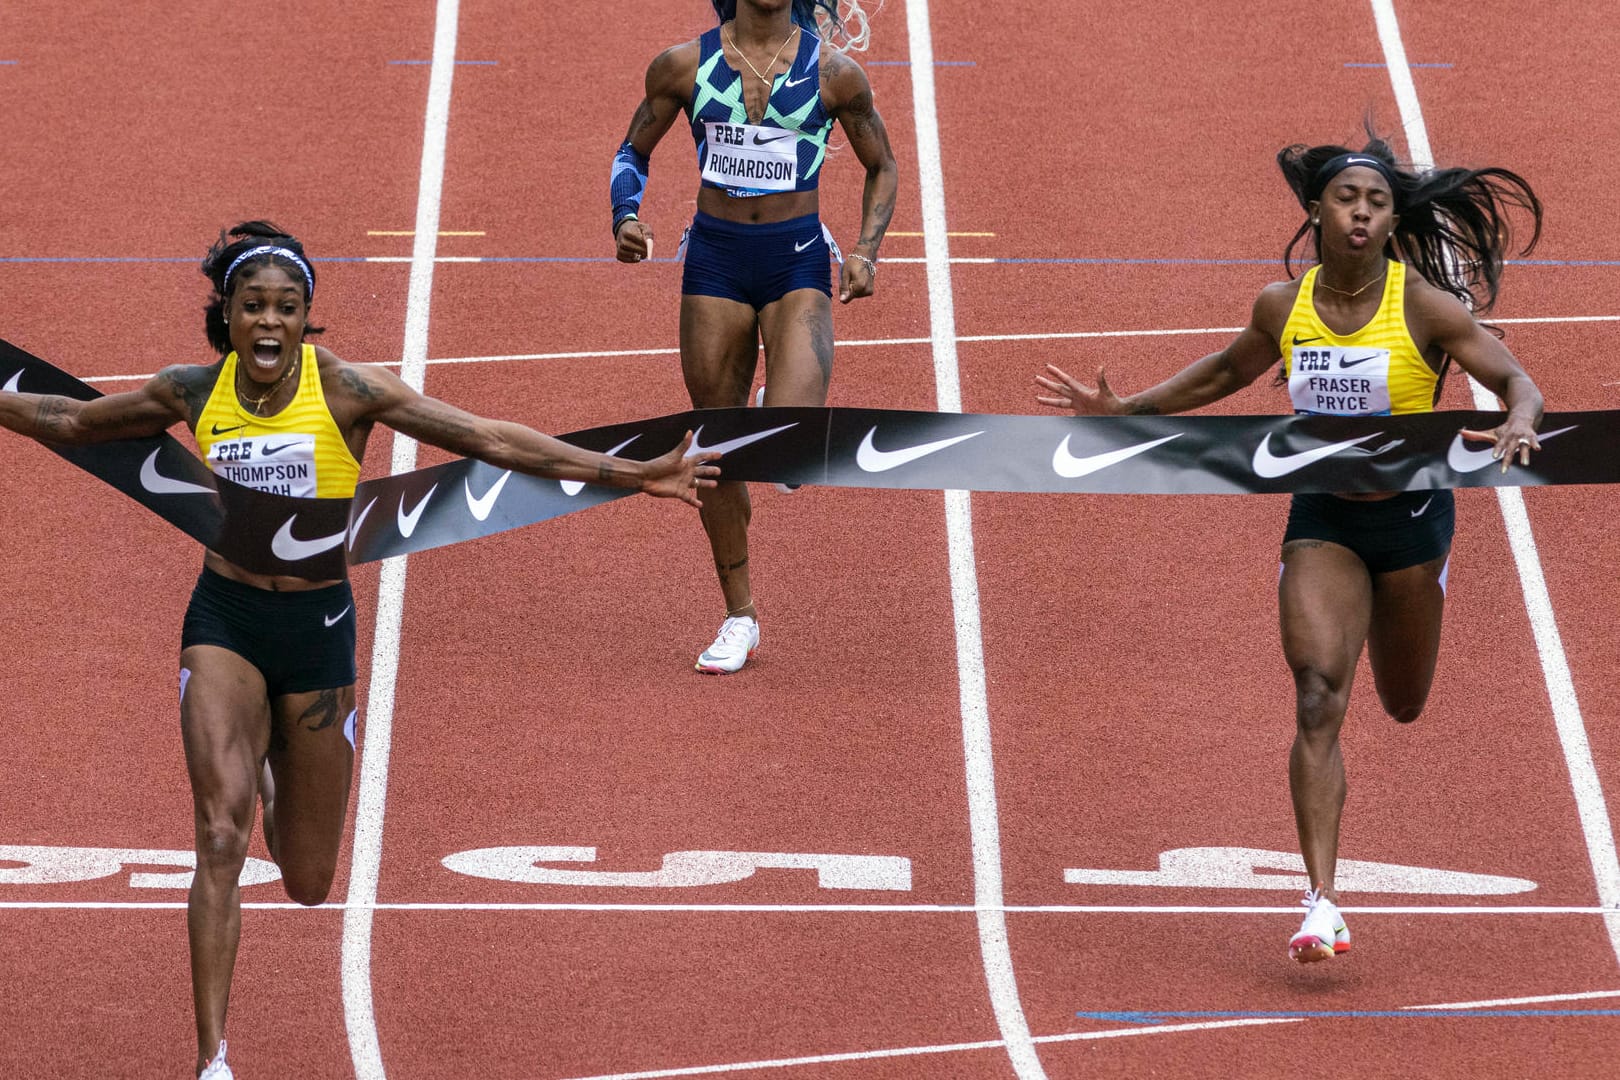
1589 800
1502 1003
359 1017
882 343
984 828
798 909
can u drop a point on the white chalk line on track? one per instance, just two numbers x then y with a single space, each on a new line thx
867 343
1590 803
983 827
806 909
1135 1030
359 1016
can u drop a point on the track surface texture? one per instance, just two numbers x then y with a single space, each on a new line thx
962 700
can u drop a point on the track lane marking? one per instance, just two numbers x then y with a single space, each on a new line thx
359 1017
1590 803
984 829
804 909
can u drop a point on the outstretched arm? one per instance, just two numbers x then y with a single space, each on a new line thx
669 79
174 395
851 95
1450 327
377 396
1203 381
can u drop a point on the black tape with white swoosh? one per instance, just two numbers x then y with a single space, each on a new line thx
875 448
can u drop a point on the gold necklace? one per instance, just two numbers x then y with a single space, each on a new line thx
768 66
1358 292
258 402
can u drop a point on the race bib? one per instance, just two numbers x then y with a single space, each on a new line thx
279 464
1336 380
751 156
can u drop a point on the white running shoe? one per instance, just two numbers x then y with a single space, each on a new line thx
738 640
217 1069
1323 934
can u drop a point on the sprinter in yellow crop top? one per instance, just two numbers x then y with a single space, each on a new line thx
267 672
1368 330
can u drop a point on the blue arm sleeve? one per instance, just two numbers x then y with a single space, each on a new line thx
628 183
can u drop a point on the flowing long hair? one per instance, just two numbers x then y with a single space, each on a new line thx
848 32
1454 223
234 241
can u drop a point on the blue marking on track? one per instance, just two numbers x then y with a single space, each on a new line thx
9 63
1139 1016
1056 261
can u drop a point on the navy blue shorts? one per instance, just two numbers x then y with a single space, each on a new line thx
1391 534
755 264
299 641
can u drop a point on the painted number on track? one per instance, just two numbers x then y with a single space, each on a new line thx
680 869
1240 868
57 865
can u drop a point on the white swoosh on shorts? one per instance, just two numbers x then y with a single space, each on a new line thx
732 444
158 484
1070 467
574 487
332 620
1270 466
407 522
13 382
1463 460
482 505
871 459
289 548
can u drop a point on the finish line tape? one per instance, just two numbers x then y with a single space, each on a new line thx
835 447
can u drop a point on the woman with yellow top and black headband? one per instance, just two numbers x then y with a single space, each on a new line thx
1403 256
267 670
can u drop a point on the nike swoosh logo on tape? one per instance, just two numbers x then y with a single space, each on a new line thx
1419 511
574 487
158 484
1343 363
732 444
407 521
13 382
871 459
482 505
1306 340
1463 460
217 430
333 620
289 548
807 243
1070 467
795 82
354 530
774 138
1270 466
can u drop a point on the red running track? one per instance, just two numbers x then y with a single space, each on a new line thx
1134 694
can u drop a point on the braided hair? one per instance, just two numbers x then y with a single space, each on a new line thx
1453 224
225 268
820 17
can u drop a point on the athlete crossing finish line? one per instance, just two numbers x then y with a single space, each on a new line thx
267 671
761 91
1362 333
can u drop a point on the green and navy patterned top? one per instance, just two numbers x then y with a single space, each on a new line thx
784 151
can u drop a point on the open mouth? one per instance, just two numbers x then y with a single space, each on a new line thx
266 352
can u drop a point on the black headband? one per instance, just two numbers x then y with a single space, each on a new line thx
1335 165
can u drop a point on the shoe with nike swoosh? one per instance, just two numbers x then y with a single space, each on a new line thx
737 641
1323 935
217 1069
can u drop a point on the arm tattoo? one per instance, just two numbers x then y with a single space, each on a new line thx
881 213
641 121
50 418
605 472
358 385
1142 408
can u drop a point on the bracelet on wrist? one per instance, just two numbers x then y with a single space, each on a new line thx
871 264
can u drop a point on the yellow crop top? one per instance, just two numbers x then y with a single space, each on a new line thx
298 451
1373 372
